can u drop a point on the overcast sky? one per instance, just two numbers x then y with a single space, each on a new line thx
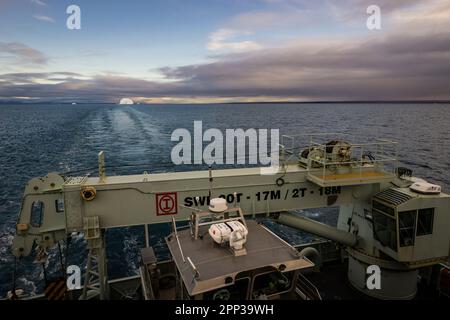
224 50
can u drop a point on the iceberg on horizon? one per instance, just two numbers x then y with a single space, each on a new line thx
126 101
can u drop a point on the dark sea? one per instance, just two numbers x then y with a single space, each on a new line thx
37 139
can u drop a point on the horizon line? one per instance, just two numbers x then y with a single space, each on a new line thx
234 102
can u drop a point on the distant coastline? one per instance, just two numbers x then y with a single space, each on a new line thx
6 102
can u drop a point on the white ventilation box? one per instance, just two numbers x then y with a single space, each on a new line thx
425 187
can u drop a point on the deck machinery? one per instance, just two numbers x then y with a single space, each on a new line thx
387 217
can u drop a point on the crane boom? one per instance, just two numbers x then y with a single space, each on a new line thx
120 201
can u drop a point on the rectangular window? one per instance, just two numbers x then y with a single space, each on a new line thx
59 205
407 226
272 283
37 214
425 220
384 229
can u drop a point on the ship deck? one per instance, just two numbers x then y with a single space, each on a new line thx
327 178
214 264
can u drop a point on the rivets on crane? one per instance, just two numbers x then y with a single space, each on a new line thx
280 182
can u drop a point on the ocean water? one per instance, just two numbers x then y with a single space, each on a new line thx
37 139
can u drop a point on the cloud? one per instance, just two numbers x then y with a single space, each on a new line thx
424 18
39 3
395 67
409 60
349 8
220 40
44 18
19 53
67 85
257 20
298 17
32 77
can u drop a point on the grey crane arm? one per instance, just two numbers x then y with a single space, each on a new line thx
54 206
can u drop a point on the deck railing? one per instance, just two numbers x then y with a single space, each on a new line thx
369 160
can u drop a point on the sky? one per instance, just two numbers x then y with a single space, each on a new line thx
203 51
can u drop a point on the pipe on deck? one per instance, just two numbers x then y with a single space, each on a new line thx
317 228
314 255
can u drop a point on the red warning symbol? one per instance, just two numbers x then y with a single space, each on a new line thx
166 203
